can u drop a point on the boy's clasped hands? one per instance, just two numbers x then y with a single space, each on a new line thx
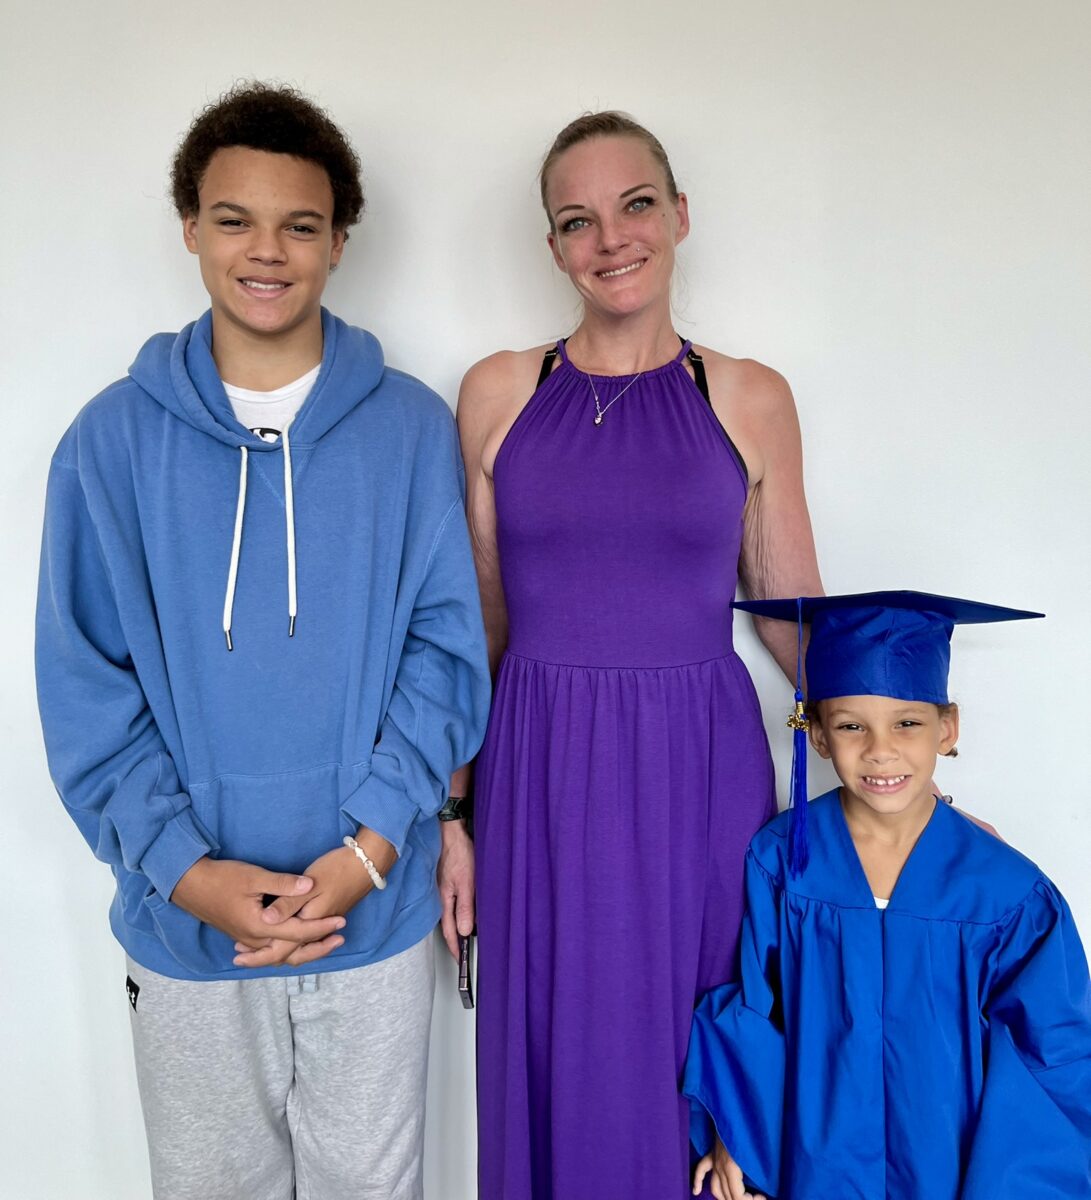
304 920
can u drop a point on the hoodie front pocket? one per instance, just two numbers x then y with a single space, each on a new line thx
282 822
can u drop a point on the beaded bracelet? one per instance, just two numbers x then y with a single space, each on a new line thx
369 866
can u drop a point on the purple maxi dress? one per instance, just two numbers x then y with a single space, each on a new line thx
623 774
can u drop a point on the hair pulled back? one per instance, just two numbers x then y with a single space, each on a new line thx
280 120
610 123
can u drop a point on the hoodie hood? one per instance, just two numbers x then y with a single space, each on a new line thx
179 372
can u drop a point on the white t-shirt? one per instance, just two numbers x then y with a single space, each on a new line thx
880 901
267 413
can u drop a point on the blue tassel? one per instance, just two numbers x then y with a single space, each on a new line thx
798 848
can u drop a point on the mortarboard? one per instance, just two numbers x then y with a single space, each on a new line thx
868 644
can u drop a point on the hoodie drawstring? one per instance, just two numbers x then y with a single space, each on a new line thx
236 546
289 527
236 541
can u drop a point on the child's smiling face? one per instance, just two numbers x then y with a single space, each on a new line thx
884 750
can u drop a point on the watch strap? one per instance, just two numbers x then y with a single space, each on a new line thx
457 808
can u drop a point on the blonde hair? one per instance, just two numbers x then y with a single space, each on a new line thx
603 124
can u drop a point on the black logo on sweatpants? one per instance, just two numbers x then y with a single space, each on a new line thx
132 990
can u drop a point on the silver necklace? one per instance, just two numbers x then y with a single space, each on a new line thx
600 410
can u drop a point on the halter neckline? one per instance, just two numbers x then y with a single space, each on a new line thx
683 351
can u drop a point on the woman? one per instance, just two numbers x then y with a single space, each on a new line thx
612 504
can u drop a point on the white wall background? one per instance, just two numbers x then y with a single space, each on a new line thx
890 205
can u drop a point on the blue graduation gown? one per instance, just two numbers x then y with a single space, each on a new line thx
939 1049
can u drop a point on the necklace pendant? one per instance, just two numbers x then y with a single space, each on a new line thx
598 419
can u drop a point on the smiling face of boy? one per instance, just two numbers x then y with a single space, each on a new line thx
266 243
884 750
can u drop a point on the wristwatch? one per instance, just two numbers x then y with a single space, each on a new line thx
457 808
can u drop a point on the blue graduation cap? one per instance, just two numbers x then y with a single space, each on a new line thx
868 644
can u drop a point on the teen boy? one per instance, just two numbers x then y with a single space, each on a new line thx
260 656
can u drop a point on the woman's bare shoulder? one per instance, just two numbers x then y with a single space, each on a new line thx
502 377
754 404
745 383
492 396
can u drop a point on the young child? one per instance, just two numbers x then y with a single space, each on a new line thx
912 1020
265 783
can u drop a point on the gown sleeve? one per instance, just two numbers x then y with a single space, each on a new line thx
735 1069
1033 1136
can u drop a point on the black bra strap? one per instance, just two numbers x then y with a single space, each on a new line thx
548 360
699 376
701 380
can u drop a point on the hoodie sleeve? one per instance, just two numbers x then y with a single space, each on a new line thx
106 756
435 720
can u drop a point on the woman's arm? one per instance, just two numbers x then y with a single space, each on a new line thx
756 407
486 410
491 397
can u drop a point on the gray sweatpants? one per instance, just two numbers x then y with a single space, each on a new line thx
309 1087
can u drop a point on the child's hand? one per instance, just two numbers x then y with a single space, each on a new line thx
727 1181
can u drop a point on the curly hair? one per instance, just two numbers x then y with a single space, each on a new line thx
603 124
280 120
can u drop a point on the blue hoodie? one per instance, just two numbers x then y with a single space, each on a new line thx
168 523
